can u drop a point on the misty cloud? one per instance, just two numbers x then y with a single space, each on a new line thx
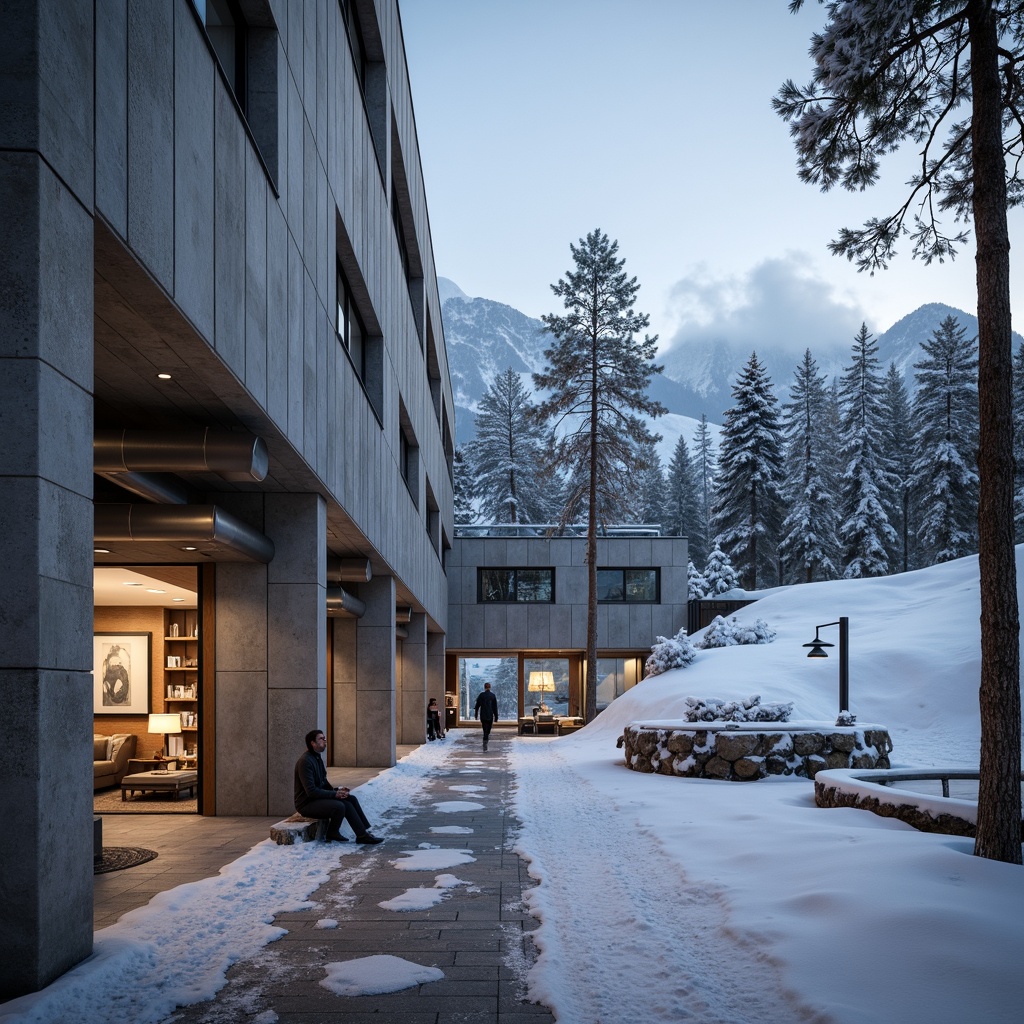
780 304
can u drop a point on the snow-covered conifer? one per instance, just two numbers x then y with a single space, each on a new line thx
705 469
682 505
865 532
946 438
898 444
748 505
509 455
809 542
696 585
463 488
719 575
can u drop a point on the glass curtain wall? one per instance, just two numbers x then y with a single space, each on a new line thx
549 679
501 673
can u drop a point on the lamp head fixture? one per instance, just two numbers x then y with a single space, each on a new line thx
817 645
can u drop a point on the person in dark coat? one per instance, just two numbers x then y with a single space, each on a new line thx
435 730
486 710
315 797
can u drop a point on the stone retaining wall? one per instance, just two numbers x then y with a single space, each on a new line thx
743 756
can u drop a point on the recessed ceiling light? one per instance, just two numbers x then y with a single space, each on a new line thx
151 590
163 376
188 549
128 583
101 551
177 599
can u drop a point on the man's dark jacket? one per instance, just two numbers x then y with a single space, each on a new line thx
487 706
311 781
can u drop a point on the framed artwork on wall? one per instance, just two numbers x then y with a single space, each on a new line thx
121 668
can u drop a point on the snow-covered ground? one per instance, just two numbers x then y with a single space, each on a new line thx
668 899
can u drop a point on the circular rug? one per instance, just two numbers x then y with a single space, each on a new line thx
117 857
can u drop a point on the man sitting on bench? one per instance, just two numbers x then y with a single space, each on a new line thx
315 797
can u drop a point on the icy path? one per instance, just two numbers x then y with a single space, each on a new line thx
613 948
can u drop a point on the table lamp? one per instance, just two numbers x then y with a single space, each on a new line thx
541 682
165 724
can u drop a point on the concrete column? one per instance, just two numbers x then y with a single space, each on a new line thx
375 675
412 702
46 425
341 737
271 654
435 667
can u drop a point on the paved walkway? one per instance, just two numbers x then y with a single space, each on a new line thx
478 936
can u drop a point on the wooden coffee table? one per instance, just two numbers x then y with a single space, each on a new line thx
159 782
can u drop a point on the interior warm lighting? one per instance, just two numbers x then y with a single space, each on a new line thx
177 599
153 590
188 548
130 583
101 551
164 376
541 682
164 724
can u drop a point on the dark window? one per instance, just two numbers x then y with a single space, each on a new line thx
226 28
536 586
633 585
354 31
350 326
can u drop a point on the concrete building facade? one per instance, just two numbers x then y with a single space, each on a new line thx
215 241
517 608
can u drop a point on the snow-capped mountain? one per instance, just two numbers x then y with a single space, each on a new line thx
708 370
485 337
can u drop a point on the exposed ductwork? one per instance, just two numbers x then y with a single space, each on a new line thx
341 604
162 488
239 457
349 570
403 613
182 525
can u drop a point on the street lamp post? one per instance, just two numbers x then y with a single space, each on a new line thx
817 650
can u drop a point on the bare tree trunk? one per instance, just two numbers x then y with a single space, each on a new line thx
999 808
590 705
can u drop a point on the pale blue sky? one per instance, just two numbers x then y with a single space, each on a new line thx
540 120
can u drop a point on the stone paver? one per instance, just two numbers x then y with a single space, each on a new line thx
479 936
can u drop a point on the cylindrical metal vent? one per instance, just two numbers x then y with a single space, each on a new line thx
181 524
349 570
200 450
341 604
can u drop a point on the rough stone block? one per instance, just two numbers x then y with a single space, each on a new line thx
297 829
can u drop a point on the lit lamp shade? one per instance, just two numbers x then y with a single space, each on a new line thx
541 682
164 723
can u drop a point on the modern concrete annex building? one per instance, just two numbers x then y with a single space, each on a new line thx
217 292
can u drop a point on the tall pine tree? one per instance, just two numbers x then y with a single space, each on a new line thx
748 508
946 437
464 512
509 455
705 471
597 376
682 518
864 530
898 449
808 544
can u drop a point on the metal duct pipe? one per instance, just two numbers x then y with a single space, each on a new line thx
199 450
349 570
341 604
403 613
181 524
167 490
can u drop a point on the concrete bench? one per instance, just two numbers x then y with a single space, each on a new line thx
298 829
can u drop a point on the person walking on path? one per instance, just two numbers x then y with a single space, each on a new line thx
315 797
486 710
